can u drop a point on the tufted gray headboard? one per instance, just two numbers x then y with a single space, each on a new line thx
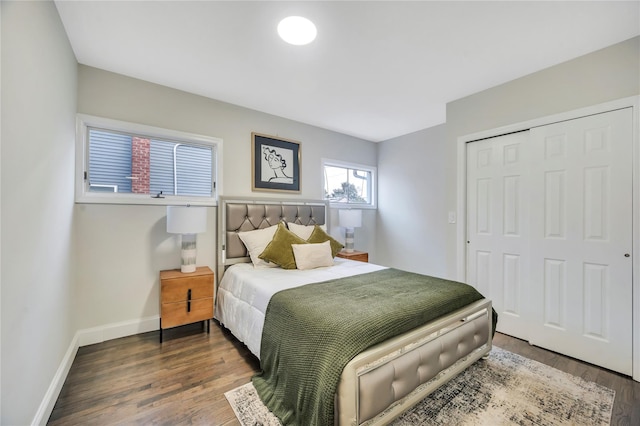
236 214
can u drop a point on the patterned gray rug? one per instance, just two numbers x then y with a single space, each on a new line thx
505 389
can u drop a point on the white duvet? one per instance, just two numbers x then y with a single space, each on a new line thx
245 291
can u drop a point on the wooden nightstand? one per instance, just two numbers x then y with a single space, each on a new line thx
361 256
185 298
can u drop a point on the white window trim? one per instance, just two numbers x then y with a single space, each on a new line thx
82 193
374 184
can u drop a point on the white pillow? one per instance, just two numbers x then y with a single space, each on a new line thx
256 241
310 256
303 231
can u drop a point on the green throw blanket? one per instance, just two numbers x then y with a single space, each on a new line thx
311 333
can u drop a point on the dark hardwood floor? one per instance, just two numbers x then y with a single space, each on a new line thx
138 380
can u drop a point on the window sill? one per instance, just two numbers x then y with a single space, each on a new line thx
143 200
353 206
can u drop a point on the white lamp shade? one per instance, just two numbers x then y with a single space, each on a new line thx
350 218
186 219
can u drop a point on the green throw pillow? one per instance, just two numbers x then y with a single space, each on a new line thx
279 250
319 236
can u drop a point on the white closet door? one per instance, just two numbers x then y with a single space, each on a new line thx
580 277
497 229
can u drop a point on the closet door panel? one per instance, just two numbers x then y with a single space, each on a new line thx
497 226
580 280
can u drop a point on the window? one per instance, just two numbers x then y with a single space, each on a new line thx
121 162
349 184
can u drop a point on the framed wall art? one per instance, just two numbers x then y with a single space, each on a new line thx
275 163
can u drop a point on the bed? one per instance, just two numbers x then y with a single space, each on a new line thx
381 381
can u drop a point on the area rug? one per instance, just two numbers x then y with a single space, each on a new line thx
505 389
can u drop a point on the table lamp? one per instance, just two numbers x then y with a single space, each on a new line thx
349 219
188 221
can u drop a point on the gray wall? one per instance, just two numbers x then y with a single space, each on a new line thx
412 198
37 278
122 247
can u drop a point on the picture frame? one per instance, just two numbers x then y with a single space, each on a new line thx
275 163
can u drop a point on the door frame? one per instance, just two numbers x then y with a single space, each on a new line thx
461 194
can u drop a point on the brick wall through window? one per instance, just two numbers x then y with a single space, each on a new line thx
140 165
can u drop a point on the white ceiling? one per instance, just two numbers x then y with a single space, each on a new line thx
377 69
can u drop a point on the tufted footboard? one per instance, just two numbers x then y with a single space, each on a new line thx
387 379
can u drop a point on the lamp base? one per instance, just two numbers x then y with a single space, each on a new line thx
185 269
188 253
348 240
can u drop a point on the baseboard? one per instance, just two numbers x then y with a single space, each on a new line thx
90 336
86 337
51 396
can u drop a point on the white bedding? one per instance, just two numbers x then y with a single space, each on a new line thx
245 291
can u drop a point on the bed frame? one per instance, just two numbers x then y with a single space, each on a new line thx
389 378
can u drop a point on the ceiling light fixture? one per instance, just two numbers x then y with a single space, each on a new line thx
297 30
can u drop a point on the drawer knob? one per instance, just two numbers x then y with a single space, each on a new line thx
189 300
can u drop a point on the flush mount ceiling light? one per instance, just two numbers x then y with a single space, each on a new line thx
297 30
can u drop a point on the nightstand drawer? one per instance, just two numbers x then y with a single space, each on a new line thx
186 298
174 314
177 290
